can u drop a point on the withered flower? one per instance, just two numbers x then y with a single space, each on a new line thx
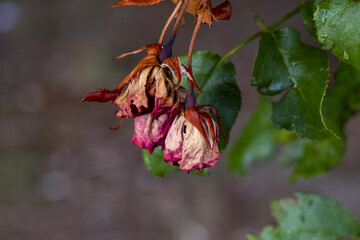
150 95
147 84
192 140
151 129
162 117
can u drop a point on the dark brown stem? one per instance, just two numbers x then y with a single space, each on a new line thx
176 9
183 7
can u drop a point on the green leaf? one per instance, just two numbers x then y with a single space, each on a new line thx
337 25
313 157
155 163
204 172
307 13
218 82
309 157
259 140
311 216
341 101
256 140
271 73
283 62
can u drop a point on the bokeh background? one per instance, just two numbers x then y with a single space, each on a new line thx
65 175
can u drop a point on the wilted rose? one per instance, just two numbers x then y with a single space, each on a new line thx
163 100
190 148
152 92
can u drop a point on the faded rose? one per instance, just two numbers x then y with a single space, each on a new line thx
151 129
150 86
152 92
187 147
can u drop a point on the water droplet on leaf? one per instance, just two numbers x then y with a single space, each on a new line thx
323 37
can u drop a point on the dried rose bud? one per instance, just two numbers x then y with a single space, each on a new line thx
190 148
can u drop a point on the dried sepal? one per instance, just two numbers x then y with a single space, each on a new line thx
215 112
190 77
101 95
223 11
193 117
206 117
150 48
136 2
174 64
151 59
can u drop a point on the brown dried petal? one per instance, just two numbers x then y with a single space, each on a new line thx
165 94
133 102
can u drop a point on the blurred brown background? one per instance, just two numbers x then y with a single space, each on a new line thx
65 175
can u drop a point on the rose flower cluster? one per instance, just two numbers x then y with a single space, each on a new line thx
166 114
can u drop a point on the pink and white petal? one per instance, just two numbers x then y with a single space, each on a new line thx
161 126
159 130
141 132
174 141
150 133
